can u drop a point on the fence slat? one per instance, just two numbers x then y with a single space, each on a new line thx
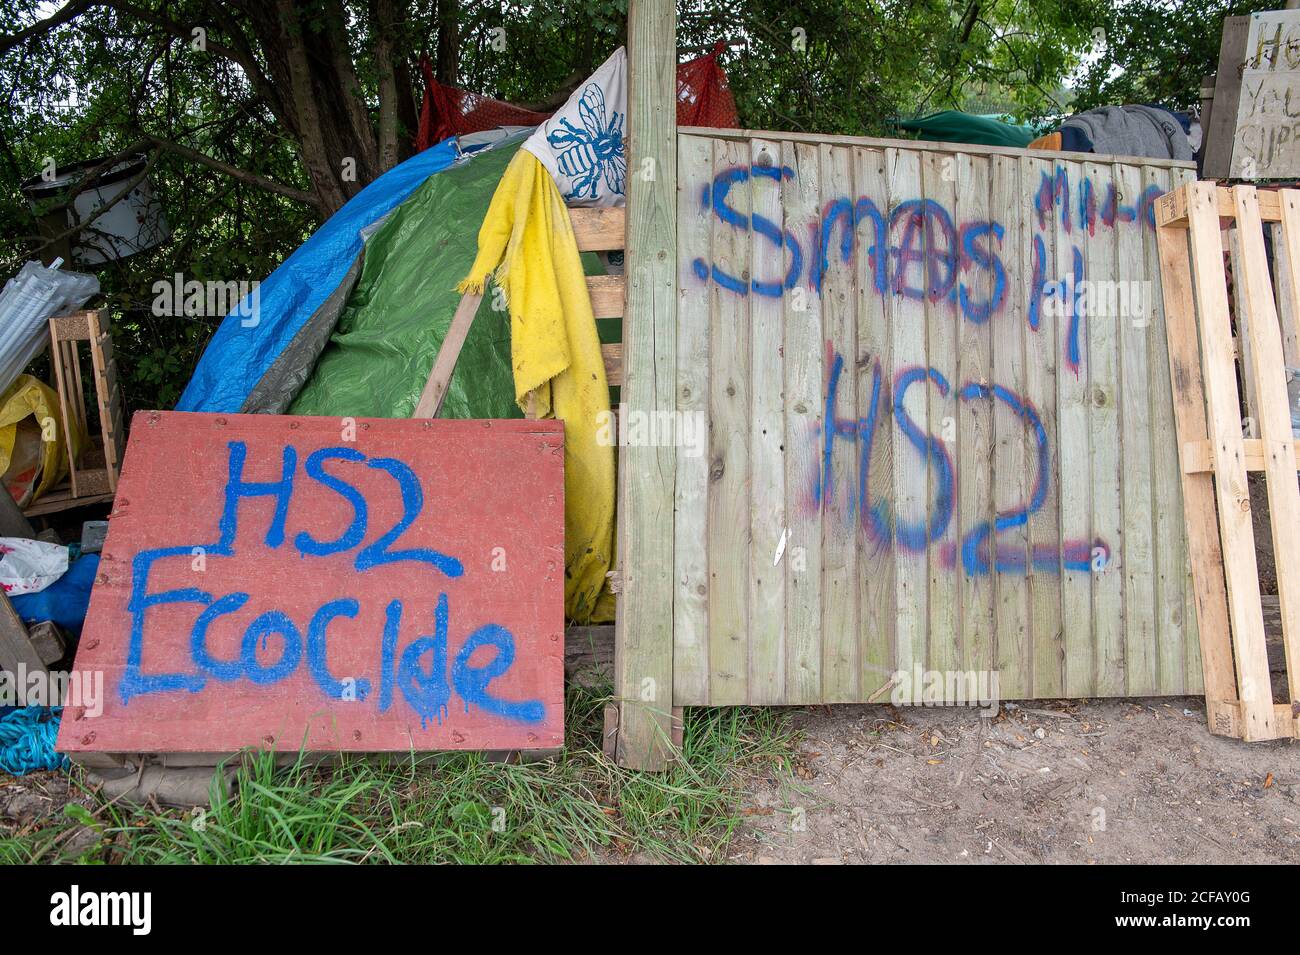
1014 443
876 594
1073 438
1135 477
1169 556
767 438
729 409
911 474
1042 360
840 665
690 549
1104 435
804 354
939 522
973 568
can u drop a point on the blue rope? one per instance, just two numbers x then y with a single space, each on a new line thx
27 737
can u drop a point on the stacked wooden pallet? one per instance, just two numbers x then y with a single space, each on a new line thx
1214 451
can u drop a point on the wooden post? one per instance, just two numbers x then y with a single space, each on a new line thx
643 658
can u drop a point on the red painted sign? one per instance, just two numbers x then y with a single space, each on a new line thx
329 584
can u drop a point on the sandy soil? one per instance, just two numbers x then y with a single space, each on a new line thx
1062 781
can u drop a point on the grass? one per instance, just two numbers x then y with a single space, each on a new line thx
460 808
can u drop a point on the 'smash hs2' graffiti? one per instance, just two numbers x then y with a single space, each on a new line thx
918 250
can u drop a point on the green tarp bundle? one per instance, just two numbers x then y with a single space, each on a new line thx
954 126
383 347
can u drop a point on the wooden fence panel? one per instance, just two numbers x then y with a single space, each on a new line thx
940 442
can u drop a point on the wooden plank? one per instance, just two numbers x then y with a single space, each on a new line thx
1042 361
767 438
1171 209
12 521
272 653
61 499
1075 452
599 230
1268 371
1104 435
1169 552
805 352
1015 445
1136 477
647 475
612 356
1267 125
1194 677
729 408
976 447
607 292
74 326
929 276
840 664
67 406
911 473
17 655
1198 456
102 366
1249 425
690 552
1220 133
444 365
917 145
1286 253
1199 514
1231 491
876 586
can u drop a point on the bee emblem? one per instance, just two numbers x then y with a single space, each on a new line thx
596 150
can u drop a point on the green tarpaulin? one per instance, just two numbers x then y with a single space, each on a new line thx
379 357
388 335
954 126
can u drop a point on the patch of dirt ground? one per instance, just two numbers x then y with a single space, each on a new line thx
1102 781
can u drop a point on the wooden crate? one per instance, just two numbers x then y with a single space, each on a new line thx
1215 453
92 475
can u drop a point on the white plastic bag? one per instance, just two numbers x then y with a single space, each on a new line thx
28 566
29 300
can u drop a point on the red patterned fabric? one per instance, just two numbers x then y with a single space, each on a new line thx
448 111
703 99
703 96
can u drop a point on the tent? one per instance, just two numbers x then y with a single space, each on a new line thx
351 323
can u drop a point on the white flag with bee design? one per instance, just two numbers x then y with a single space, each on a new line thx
582 144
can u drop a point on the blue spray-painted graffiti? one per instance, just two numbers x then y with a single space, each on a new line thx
918 251
887 529
419 673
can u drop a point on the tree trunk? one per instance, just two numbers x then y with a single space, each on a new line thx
338 147
383 19
447 67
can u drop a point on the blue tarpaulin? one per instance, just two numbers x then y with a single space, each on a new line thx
239 355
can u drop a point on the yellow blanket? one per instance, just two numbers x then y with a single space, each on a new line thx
527 238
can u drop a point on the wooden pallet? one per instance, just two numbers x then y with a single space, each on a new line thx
1215 456
596 230
92 476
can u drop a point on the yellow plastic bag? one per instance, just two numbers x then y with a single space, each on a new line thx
33 451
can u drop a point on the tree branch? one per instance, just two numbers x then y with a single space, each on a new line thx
243 175
69 11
